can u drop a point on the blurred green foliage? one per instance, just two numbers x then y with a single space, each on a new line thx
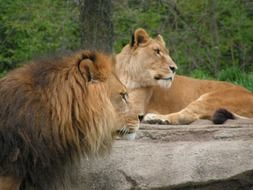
207 35
29 28
207 38
233 74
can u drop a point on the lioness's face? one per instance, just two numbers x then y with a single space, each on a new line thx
145 62
157 66
128 122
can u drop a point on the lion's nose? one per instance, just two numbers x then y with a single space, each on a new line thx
140 117
173 68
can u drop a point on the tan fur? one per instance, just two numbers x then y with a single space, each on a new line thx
52 112
9 183
186 100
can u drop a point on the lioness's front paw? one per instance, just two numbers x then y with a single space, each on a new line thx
153 118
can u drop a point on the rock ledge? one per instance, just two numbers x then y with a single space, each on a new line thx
196 157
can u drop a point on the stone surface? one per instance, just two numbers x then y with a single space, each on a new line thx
199 157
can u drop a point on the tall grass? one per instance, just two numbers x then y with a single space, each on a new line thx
232 74
236 76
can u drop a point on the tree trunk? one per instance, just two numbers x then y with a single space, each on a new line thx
96 25
215 34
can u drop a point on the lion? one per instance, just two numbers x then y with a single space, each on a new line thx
146 68
53 112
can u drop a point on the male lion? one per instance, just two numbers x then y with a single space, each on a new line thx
52 112
146 67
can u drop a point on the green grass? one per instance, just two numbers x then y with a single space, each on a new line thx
237 76
232 74
200 74
2 74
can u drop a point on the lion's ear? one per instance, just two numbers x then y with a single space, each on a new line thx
140 36
94 66
86 69
160 38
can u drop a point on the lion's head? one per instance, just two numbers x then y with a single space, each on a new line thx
53 111
148 60
122 105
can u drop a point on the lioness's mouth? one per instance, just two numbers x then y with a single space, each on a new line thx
161 78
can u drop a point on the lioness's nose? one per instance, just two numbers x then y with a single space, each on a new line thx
173 68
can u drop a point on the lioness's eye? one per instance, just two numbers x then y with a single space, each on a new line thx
157 51
124 96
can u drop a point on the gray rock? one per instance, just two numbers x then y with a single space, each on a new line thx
198 157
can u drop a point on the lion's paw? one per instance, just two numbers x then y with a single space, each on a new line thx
152 118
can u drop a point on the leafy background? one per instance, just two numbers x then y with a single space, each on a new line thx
207 38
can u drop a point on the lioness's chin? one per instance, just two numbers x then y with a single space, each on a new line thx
165 83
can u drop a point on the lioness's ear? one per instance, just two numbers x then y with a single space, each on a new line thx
94 66
140 36
160 38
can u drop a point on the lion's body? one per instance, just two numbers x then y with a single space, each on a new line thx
51 114
186 100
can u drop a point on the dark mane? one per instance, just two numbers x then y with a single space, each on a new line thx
44 121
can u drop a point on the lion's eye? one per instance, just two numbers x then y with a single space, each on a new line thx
157 51
124 96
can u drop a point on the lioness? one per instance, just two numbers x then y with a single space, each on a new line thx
147 70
